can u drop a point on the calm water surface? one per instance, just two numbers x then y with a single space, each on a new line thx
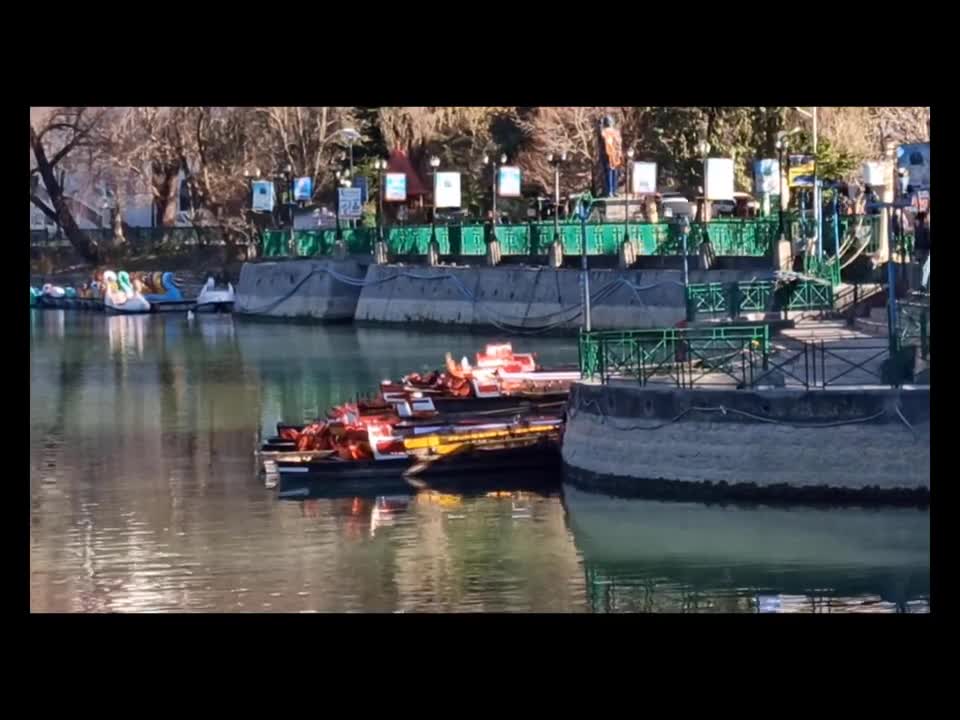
145 498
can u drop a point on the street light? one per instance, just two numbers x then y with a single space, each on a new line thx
380 165
781 146
434 164
336 203
703 150
556 160
350 136
493 191
626 215
904 177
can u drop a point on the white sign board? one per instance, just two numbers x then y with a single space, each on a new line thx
351 203
766 177
263 196
719 185
877 173
446 190
644 179
395 187
509 185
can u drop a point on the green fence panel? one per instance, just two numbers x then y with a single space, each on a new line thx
514 239
274 243
307 244
415 239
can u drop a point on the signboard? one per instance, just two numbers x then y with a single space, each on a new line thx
446 190
395 187
921 200
509 181
719 184
801 171
766 177
263 196
915 158
644 180
303 188
350 203
876 173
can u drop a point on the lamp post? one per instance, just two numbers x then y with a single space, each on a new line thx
703 150
380 248
250 177
341 182
781 149
626 215
903 176
380 165
494 166
434 246
556 160
350 136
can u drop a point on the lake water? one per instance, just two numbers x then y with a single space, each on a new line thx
145 498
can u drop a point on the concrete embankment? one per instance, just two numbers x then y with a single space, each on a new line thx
529 298
309 289
837 445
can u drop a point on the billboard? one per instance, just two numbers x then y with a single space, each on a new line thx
303 188
350 203
644 180
263 198
766 177
801 171
509 181
446 190
719 184
395 187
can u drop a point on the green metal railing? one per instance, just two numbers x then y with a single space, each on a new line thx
756 296
913 323
686 356
736 237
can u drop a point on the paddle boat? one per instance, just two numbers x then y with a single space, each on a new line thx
120 295
171 299
212 299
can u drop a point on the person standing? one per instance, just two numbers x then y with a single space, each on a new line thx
611 155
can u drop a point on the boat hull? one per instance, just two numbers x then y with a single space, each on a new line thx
541 456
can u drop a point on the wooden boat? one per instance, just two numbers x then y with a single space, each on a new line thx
371 446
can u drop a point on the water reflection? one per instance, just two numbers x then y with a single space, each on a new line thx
144 497
649 556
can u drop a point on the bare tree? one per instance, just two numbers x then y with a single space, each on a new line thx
54 135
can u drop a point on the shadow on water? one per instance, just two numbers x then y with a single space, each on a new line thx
650 556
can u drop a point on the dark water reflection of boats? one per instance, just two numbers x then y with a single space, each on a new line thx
644 555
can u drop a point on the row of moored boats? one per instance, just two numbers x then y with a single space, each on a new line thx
123 292
502 414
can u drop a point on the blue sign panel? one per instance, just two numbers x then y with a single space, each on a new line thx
303 188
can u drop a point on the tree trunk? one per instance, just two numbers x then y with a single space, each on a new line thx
83 244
